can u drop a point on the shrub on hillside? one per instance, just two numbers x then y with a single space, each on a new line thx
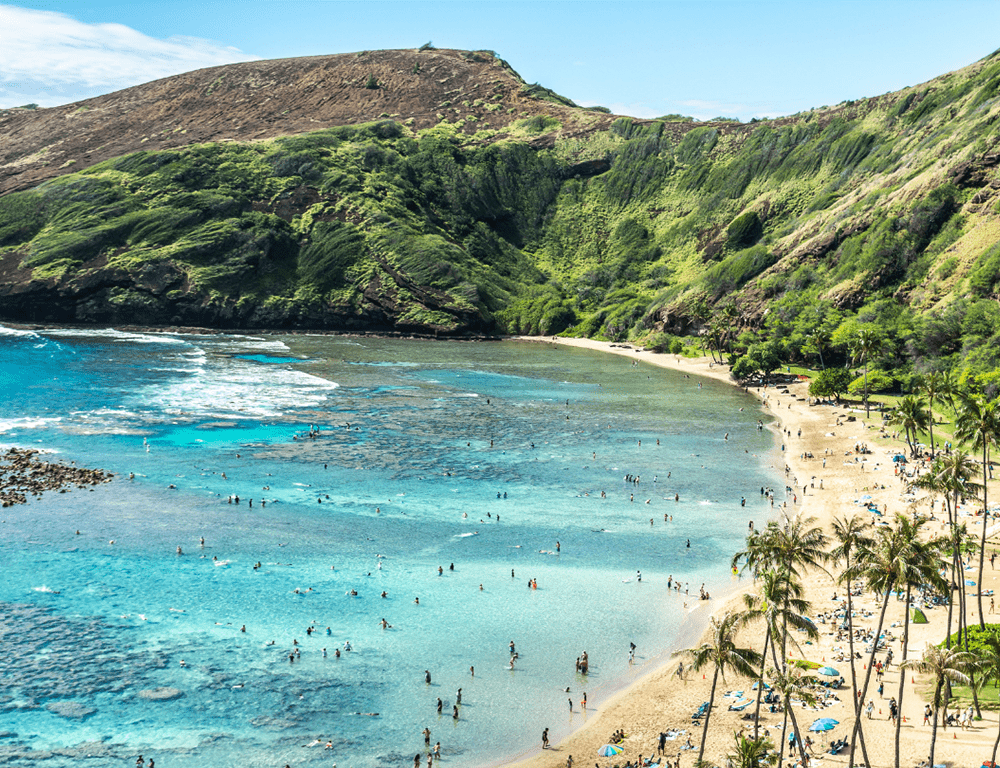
745 230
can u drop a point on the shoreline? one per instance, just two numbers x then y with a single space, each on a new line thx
695 624
831 481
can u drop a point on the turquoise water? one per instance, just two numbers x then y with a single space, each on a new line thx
423 455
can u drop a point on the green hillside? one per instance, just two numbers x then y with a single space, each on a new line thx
787 233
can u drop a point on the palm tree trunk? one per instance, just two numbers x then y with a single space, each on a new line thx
982 546
867 412
972 675
871 663
784 728
930 427
902 669
951 597
784 719
795 730
854 673
937 698
975 695
708 715
760 683
951 591
995 745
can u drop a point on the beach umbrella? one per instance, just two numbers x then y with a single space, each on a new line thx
824 724
610 750
828 672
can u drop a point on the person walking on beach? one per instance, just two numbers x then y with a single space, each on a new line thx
545 739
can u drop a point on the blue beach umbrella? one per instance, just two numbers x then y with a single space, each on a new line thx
610 750
828 672
824 724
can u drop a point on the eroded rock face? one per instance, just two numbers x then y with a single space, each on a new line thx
163 693
73 710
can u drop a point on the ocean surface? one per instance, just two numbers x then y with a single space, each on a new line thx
449 472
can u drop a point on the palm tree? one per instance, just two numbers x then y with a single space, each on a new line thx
912 416
722 653
919 565
817 341
751 753
957 542
792 682
943 664
882 565
779 605
730 314
866 343
938 388
793 543
714 336
979 423
851 535
951 476
789 545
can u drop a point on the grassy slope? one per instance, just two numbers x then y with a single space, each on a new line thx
883 209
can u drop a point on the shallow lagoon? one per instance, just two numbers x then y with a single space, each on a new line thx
376 506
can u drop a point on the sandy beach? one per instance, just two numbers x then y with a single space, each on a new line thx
826 486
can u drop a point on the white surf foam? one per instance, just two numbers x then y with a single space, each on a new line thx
28 422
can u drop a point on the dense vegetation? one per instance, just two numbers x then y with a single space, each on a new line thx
776 241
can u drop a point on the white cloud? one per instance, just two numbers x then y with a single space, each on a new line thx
51 58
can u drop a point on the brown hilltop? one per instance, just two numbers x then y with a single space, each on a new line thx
264 99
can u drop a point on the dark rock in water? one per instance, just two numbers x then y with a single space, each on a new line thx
164 693
70 709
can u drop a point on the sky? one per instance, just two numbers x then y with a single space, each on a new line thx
704 58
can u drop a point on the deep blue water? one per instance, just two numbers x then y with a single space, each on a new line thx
413 442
